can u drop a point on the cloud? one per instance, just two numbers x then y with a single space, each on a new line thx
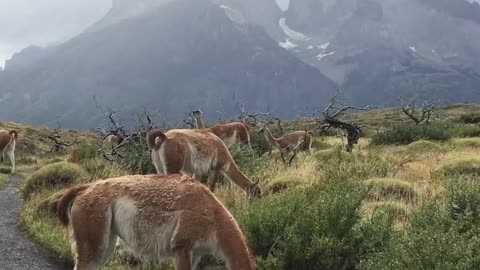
42 22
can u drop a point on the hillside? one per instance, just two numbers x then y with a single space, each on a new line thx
173 57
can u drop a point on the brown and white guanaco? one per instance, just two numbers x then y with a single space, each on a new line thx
234 133
8 141
198 153
290 143
157 217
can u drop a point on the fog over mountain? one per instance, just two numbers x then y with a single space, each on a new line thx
177 55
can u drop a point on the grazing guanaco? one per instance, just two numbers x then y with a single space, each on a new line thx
290 143
157 217
8 141
234 133
198 153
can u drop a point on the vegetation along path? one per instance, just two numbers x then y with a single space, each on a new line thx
17 252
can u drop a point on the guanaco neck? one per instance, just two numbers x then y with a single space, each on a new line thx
269 136
236 175
199 122
231 243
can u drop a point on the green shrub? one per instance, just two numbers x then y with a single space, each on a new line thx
87 151
313 228
465 131
470 118
422 146
406 134
136 159
249 162
388 189
99 168
459 167
440 236
56 176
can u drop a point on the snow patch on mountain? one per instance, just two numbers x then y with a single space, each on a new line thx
287 44
283 4
323 55
233 14
290 32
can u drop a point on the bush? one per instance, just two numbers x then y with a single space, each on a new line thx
249 162
422 146
86 152
441 235
388 189
99 168
56 176
136 159
471 118
406 134
465 131
459 167
313 228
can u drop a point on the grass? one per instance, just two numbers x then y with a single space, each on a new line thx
3 180
331 210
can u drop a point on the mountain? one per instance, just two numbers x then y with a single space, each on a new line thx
379 50
167 56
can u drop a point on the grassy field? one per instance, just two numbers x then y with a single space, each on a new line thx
388 205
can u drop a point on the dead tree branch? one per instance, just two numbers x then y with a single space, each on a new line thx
418 113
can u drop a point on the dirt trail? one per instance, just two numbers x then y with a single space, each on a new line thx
16 251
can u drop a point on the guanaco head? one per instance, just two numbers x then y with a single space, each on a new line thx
197 113
254 191
155 138
14 134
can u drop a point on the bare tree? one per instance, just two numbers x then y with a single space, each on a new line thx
418 113
331 118
58 144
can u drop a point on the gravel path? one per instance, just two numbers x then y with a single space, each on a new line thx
16 251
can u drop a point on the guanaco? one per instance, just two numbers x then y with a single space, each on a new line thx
198 153
290 143
8 141
234 133
113 139
157 217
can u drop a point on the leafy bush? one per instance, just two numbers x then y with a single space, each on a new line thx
388 188
470 118
249 162
441 236
136 159
313 228
465 131
406 134
459 167
57 175
99 168
87 151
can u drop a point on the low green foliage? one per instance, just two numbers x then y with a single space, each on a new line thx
406 134
136 159
441 235
87 151
3 180
470 118
56 175
283 182
465 131
467 143
249 162
313 228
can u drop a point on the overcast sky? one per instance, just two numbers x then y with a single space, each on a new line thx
42 22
